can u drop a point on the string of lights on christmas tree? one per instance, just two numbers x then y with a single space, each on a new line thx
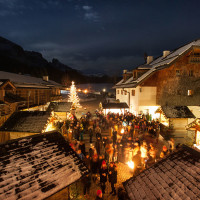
73 97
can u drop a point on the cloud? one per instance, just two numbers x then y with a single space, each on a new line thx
87 8
93 16
4 13
90 14
11 7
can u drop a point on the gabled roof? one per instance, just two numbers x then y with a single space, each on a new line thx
176 177
160 63
59 106
5 82
114 105
26 121
36 167
177 112
195 124
26 80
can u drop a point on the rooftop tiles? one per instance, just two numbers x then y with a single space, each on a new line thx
26 121
176 177
38 166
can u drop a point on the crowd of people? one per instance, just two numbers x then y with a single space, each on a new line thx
123 144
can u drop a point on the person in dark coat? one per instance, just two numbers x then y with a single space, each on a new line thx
90 131
114 136
98 145
122 195
94 167
112 176
86 184
82 147
87 161
103 176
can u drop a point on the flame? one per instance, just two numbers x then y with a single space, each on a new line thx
130 164
122 131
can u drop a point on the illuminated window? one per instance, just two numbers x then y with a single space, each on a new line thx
191 73
133 92
122 92
117 91
125 92
190 92
178 72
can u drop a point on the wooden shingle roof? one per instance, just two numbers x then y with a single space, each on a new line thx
177 112
36 167
26 121
176 177
60 106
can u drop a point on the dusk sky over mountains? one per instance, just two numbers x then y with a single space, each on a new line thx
99 35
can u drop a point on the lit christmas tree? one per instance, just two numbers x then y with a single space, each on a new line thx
73 97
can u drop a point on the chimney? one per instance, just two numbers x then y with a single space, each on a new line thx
45 78
124 71
149 59
165 53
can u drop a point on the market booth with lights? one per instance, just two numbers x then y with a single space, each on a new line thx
120 108
195 126
26 123
61 109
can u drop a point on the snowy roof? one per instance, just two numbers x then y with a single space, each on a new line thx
26 121
177 112
59 106
114 105
176 177
24 79
37 167
194 124
158 63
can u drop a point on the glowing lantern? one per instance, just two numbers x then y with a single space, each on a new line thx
122 130
130 164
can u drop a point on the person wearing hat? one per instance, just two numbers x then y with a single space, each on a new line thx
99 195
164 152
103 175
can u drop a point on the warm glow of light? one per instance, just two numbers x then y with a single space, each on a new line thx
130 164
85 91
79 90
122 130
104 90
49 127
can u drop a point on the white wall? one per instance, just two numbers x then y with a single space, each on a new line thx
147 96
144 97
123 98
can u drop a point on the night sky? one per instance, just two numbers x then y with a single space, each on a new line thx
100 35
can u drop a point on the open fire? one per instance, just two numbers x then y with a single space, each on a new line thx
130 164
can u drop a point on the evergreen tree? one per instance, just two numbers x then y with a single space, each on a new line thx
73 97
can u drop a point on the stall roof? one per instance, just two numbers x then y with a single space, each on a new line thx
177 112
114 105
176 177
26 121
59 106
37 167
195 124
